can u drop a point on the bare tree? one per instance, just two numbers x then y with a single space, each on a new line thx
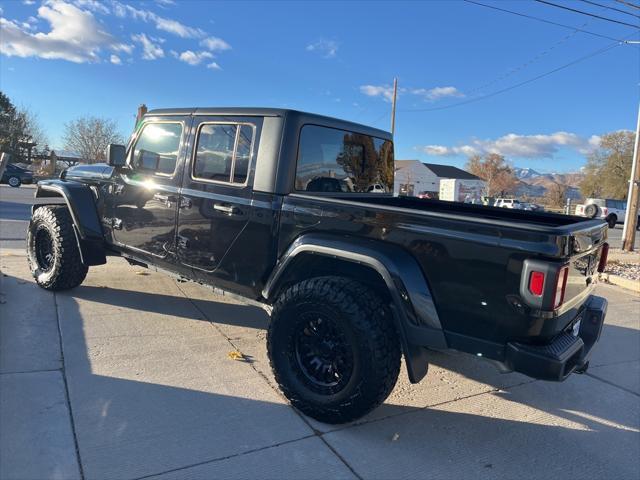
89 137
556 195
494 170
609 166
33 128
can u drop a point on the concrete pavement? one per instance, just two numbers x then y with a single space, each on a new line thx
153 392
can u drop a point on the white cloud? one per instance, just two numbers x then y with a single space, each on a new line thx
439 150
122 47
431 94
119 10
437 93
166 3
215 44
177 28
519 146
326 48
150 50
383 91
115 60
74 35
594 142
93 5
194 58
214 66
161 23
29 2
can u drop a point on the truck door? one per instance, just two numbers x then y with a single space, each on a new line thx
216 202
145 195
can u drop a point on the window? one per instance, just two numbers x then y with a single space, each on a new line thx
618 204
223 153
332 160
157 147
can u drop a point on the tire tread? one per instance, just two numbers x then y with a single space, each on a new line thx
370 315
70 271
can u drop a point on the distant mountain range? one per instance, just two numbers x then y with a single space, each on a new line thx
534 184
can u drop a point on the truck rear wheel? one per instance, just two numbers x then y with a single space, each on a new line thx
333 348
612 220
52 249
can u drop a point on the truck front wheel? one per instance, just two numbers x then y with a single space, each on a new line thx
52 249
333 348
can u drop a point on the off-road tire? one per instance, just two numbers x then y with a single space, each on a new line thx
14 181
591 210
366 321
66 270
612 220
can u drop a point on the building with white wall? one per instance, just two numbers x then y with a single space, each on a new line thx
412 177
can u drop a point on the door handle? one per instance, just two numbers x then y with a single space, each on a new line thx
228 209
167 199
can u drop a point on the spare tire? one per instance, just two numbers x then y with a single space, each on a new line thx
591 210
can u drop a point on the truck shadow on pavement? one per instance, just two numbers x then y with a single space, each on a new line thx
228 313
223 419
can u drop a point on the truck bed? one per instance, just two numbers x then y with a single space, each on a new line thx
478 212
471 255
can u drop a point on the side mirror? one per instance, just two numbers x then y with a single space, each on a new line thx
116 155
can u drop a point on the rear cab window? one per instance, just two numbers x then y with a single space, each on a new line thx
223 153
339 161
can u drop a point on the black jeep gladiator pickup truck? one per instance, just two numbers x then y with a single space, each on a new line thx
296 211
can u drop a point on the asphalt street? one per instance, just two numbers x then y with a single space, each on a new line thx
130 376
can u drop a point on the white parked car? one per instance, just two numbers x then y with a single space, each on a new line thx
610 210
376 188
508 203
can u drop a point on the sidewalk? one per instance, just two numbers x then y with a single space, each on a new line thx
128 376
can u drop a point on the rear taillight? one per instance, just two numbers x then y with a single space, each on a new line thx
605 210
561 285
602 264
536 283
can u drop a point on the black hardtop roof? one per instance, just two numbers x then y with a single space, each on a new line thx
306 117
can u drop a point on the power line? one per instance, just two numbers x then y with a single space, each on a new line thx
522 66
610 8
628 4
541 20
587 13
512 87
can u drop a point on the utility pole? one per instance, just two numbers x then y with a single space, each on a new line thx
631 217
393 106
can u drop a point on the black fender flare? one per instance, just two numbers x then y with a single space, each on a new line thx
412 304
81 203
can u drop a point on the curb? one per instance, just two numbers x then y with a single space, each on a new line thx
633 285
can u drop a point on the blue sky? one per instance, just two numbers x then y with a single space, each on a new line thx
64 59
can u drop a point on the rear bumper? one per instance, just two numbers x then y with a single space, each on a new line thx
566 353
